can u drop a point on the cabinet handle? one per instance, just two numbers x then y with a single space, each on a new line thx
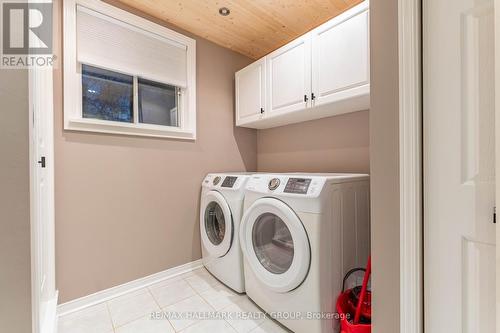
261 110
313 97
305 98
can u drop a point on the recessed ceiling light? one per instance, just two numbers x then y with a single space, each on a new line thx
224 11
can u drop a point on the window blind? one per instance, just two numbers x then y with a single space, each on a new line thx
107 42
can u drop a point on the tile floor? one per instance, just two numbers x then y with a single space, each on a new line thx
172 306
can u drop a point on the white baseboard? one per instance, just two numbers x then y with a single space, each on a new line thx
49 322
107 294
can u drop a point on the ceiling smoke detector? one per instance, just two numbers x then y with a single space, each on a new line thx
224 11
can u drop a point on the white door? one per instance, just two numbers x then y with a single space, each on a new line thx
289 77
275 244
459 165
251 92
341 56
42 199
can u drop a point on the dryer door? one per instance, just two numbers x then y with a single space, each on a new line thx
275 244
216 224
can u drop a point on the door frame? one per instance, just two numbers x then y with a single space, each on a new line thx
44 309
497 150
410 166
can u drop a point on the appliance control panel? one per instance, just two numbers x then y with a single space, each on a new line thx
229 181
287 185
297 185
233 182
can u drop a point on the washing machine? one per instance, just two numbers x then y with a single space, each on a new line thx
300 233
220 215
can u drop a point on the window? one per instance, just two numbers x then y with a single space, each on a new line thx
126 75
158 103
107 95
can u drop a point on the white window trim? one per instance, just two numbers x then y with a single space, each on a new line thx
73 119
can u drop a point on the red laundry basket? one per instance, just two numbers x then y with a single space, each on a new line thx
361 312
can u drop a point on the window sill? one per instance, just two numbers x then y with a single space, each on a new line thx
114 127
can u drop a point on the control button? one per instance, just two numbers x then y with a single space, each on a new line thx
274 183
216 180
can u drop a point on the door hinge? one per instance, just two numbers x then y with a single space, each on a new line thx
305 98
313 97
495 214
261 110
42 162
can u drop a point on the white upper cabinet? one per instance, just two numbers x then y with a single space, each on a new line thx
340 64
251 92
323 73
289 77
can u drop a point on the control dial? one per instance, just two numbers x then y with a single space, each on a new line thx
274 183
216 180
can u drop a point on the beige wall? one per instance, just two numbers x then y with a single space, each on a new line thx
127 207
335 144
384 164
15 258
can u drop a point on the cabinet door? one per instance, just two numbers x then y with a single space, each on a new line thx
250 92
340 57
289 77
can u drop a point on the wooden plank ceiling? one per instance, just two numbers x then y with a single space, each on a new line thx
253 27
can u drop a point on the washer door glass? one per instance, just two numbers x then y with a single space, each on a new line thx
272 243
215 224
